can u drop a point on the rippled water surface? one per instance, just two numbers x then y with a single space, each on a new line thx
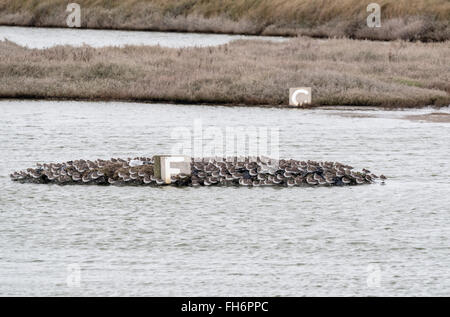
47 37
364 240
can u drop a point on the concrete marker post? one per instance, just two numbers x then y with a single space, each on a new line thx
166 166
300 96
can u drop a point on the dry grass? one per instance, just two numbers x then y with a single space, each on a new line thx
425 20
341 72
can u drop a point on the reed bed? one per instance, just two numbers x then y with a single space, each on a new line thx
424 20
243 72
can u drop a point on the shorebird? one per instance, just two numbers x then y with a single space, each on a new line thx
237 175
289 169
209 168
64 179
253 172
288 175
277 181
243 182
345 180
213 180
141 173
36 175
298 180
215 174
340 173
311 169
147 179
76 177
80 169
91 165
310 180
198 166
317 177
260 177
201 174
135 162
329 179
122 174
322 181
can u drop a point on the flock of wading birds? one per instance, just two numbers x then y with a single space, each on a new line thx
204 172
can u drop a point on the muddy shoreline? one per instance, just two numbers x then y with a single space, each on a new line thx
348 107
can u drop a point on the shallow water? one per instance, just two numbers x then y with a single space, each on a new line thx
47 37
363 240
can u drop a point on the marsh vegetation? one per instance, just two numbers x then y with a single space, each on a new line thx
425 20
340 71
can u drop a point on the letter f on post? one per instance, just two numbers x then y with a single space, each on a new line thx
164 169
169 171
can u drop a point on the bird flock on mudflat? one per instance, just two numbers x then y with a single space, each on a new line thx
249 172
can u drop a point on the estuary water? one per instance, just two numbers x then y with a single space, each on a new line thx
366 240
33 37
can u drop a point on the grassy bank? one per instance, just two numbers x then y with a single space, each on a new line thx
426 20
340 71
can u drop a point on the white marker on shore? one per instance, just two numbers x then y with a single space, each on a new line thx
300 96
